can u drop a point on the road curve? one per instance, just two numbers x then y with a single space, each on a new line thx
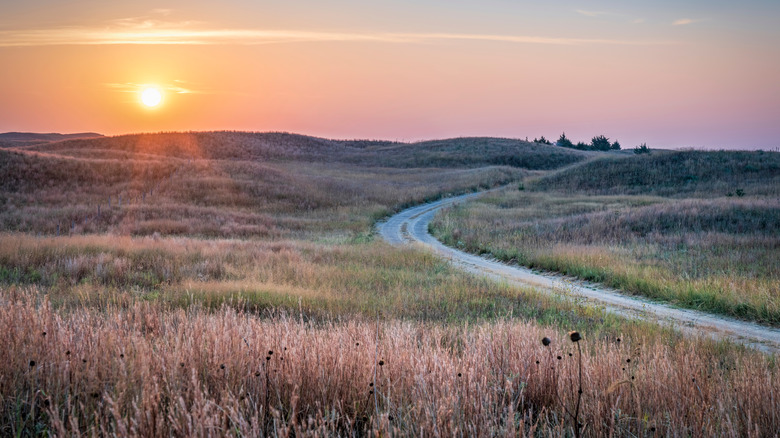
411 226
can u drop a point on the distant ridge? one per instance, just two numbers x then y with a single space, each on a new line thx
34 136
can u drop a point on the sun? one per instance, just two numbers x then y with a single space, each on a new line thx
151 97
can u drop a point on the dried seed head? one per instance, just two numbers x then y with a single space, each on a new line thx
67 353
32 363
257 373
546 341
121 355
181 364
222 366
270 352
43 334
268 358
381 363
459 374
575 336
357 344
559 358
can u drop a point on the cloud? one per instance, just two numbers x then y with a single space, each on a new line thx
638 20
684 21
133 87
147 30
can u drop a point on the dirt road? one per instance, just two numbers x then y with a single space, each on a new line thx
411 225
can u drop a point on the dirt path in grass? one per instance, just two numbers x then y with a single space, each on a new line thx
411 226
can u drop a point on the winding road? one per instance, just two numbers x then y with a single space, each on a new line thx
411 226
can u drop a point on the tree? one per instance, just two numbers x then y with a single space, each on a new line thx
641 149
542 140
615 146
582 146
600 143
565 142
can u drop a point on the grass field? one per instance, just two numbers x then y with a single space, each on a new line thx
671 239
238 290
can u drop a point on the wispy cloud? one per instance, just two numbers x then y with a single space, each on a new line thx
145 30
177 87
684 21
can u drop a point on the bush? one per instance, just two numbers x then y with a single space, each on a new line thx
564 142
641 149
600 143
542 140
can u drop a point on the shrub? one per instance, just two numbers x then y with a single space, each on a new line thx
600 143
542 140
563 141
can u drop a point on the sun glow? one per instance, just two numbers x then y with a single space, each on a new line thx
151 97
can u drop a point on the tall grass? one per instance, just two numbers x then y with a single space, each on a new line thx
238 290
672 174
318 280
717 255
150 371
213 198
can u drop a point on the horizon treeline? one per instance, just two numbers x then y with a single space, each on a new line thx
597 143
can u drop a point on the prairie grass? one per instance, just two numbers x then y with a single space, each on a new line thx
316 280
43 193
718 255
233 286
675 174
148 370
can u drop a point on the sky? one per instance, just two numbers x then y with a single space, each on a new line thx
671 74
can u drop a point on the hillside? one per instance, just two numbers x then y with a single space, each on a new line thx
232 184
15 139
457 152
700 173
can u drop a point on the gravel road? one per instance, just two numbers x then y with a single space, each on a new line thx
411 226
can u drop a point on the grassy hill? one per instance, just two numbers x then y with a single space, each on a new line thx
672 173
16 139
243 184
457 152
699 229
228 284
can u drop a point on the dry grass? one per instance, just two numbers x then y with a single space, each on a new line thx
319 280
718 255
150 371
675 174
156 317
49 194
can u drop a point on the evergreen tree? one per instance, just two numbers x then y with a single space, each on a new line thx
641 149
565 142
600 143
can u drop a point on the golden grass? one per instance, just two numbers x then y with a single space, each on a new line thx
718 255
151 371
262 242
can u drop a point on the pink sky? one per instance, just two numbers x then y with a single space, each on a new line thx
672 74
